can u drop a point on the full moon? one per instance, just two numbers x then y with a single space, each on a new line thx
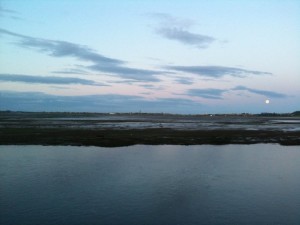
267 101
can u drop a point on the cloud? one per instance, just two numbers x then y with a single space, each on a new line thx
167 20
3 10
212 93
185 37
270 94
35 101
184 80
128 73
99 62
209 93
9 13
216 71
46 80
153 87
173 28
71 71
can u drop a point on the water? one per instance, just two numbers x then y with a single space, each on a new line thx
230 184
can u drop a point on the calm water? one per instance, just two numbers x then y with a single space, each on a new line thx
232 184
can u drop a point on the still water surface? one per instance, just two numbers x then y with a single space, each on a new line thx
230 184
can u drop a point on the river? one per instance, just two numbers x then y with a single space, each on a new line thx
164 184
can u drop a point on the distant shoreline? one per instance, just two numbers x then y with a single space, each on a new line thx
108 130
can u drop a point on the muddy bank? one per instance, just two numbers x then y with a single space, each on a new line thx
115 138
109 130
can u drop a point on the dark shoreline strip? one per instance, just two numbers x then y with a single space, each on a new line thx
159 136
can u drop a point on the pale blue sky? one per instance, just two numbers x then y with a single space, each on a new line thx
154 56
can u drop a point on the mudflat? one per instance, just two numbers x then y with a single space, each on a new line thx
123 129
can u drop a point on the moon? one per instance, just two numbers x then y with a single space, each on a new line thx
267 101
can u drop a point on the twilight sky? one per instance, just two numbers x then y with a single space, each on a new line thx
179 56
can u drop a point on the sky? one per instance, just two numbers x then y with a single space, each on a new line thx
155 56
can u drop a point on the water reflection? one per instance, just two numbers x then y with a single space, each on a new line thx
232 184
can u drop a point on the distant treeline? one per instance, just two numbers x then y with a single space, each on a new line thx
92 114
296 113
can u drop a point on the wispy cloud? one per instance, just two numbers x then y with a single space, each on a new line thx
216 71
209 93
46 79
33 101
153 87
100 63
167 20
185 37
176 29
184 80
71 71
213 93
270 94
128 73
9 13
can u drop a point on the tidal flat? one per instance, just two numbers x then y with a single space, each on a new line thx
125 129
